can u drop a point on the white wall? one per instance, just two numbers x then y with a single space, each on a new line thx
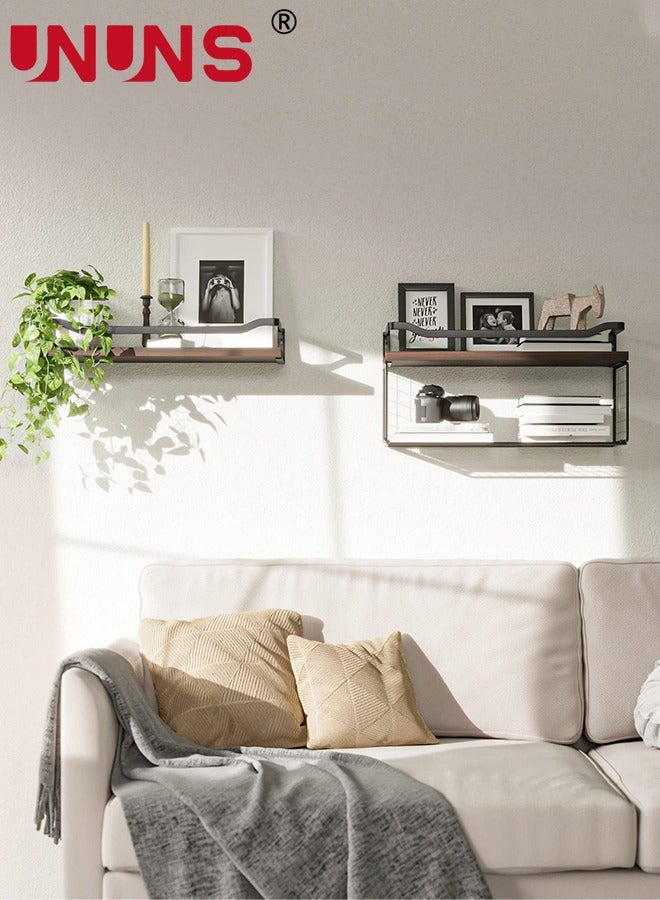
510 145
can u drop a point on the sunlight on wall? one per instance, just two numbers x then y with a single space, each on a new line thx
495 502
108 471
198 476
313 354
156 472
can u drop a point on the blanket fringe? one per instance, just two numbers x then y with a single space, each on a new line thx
47 813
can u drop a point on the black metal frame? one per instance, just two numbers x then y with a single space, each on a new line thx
146 330
620 384
485 295
612 328
621 404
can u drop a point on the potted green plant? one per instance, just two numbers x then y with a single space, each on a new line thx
61 347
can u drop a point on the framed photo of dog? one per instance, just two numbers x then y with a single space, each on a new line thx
228 275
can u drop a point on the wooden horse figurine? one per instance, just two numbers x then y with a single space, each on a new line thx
575 307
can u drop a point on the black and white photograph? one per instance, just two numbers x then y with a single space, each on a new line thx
228 274
429 306
221 285
495 314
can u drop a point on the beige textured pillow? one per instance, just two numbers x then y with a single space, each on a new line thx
357 695
226 681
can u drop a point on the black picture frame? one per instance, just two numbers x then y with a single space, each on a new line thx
429 305
496 312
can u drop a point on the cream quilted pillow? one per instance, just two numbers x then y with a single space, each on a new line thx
357 695
647 710
226 681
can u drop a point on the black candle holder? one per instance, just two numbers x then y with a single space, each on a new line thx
146 316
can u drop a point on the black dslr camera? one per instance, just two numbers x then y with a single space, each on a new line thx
433 405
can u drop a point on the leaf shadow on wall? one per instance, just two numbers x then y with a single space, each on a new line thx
160 427
133 440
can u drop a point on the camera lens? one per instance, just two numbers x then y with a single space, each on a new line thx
433 405
464 408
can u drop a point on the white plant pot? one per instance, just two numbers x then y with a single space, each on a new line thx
82 318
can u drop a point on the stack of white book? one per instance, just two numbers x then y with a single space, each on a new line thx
564 418
446 433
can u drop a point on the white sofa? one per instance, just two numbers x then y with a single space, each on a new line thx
529 672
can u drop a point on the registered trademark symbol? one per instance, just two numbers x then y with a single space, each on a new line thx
284 21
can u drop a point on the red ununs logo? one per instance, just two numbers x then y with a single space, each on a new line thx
120 52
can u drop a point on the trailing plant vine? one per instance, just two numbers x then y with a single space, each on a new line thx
52 366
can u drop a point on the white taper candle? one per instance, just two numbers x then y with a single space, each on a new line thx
146 260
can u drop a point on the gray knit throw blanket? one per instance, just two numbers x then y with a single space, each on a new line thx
260 822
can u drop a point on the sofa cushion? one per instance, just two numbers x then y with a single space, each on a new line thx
493 648
226 681
621 623
526 807
635 769
356 695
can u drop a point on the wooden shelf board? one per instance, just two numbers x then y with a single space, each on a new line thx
195 354
504 358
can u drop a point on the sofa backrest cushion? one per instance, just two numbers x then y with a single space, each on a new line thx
493 648
621 622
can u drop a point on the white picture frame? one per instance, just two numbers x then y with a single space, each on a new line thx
228 281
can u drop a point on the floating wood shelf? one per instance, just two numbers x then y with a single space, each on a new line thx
145 354
194 354
605 357
611 358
